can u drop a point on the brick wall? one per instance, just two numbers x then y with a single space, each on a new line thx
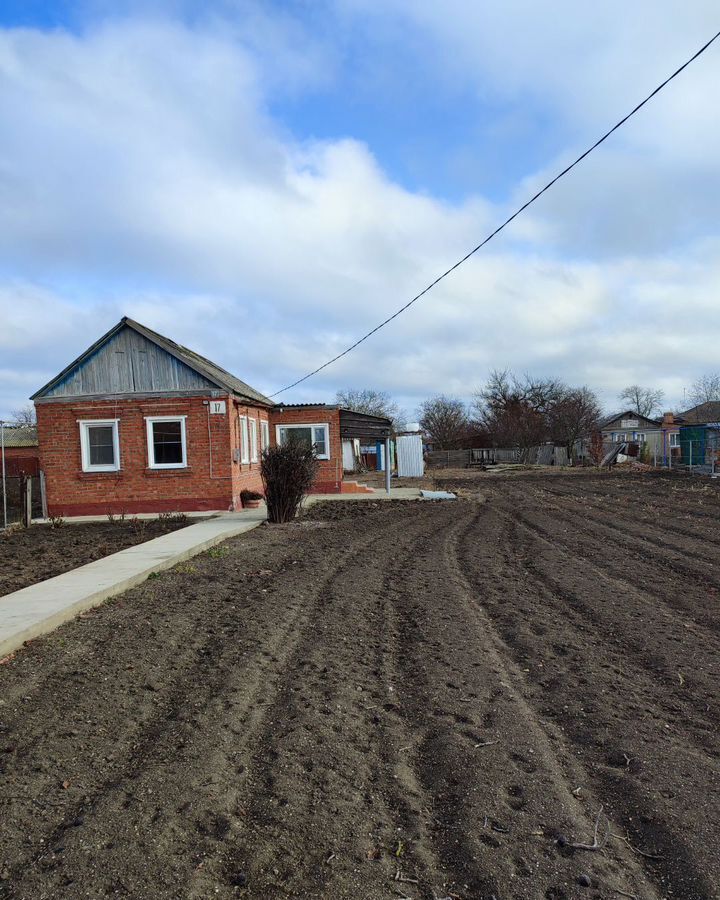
211 481
22 460
245 476
330 475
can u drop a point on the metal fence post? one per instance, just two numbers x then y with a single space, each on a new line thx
691 443
4 482
27 501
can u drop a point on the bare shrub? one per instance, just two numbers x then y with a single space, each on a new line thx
287 473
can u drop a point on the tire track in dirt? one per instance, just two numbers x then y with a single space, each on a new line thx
579 705
622 643
293 774
588 535
663 541
161 736
328 743
333 689
539 749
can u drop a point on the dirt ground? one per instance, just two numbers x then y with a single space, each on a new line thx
383 700
33 554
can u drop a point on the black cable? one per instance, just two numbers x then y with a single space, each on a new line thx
505 223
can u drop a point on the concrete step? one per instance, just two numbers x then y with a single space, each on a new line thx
354 487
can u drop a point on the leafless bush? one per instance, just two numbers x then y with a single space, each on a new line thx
173 518
287 473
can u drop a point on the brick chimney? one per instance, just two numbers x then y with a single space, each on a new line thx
668 419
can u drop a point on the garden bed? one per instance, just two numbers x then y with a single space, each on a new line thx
29 555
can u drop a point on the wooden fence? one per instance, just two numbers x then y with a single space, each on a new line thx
544 455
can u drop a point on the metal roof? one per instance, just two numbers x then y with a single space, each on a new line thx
21 436
701 414
629 414
210 370
306 406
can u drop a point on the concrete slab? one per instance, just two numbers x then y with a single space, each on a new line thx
40 608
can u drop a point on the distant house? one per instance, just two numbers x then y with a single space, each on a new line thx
139 423
657 436
702 414
628 427
699 437
21 450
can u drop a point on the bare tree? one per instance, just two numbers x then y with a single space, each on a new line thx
705 389
574 415
445 421
373 403
642 400
515 410
25 416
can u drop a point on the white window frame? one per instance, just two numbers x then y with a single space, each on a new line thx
640 437
674 439
311 425
149 422
264 434
253 441
244 440
85 424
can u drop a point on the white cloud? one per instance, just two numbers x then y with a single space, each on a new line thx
142 173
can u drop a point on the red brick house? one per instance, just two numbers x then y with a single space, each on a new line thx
138 423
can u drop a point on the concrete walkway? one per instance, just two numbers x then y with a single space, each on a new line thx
40 608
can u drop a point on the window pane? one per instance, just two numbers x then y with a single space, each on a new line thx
101 448
300 436
320 441
167 443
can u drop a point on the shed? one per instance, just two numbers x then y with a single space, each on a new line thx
410 462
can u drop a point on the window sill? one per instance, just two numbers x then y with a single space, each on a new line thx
111 473
181 470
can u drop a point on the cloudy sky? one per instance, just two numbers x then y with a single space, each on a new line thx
265 181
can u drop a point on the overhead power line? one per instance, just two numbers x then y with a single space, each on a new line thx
505 223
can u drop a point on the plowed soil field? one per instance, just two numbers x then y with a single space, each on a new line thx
383 700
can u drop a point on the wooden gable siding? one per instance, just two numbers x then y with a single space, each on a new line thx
366 428
644 424
128 364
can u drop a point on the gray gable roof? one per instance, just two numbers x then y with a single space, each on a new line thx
628 414
190 370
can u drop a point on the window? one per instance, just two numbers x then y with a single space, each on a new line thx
264 435
244 440
620 438
99 445
640 437
315 436
167 448
674 440
253 441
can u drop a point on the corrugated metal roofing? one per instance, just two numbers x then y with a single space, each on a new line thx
22 436
306 406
